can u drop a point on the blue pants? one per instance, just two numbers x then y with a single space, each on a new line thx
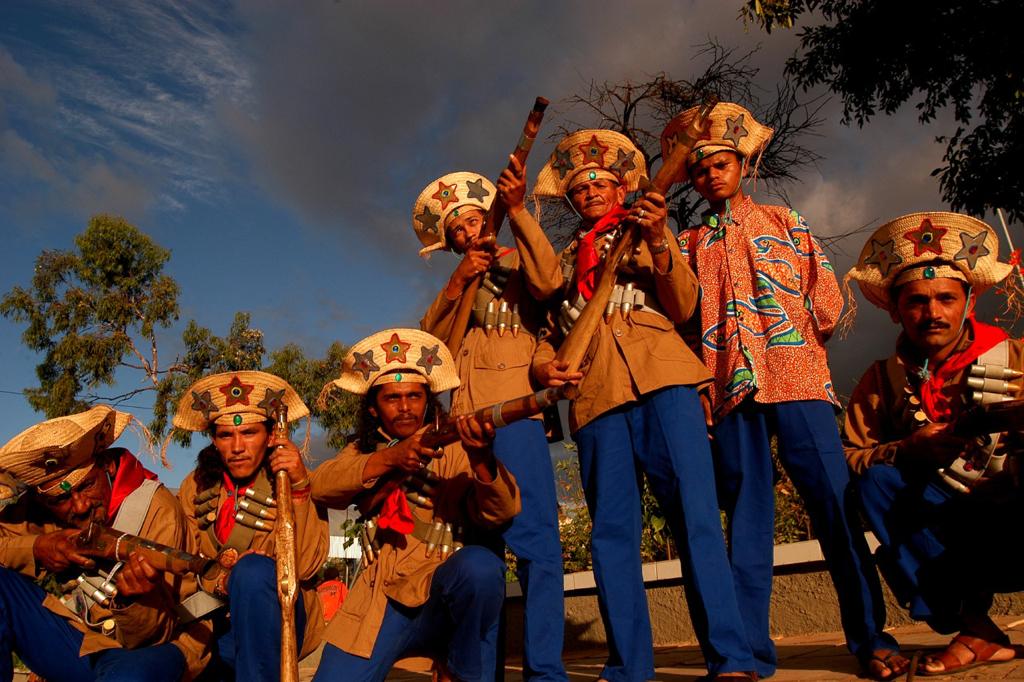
248 644
49 645
812 454
664 436
533 538
943 553
458 621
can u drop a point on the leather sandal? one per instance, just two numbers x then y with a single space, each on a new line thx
982 652
893 661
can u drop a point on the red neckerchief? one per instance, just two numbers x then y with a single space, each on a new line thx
226 514
938 405
130 475
396 514
587 258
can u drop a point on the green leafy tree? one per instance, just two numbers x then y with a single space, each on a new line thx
93 310
942 55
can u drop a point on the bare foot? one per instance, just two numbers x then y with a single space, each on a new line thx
886 664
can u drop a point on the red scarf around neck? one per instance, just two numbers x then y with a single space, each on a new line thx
130 475
587 258
938 405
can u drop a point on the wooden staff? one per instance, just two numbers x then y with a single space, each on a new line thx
582 333
287 580
445 433
492 223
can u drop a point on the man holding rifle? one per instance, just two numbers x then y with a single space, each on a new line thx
427 586
941 497
112 620
769 302
494 360
638 409
231 507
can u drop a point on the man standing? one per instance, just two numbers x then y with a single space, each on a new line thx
112 620
230 505
769 301
427 587
494 364
938 499
638 410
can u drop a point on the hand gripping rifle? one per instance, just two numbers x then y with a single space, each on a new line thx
492 223
444 432
287 575
104 542
576 343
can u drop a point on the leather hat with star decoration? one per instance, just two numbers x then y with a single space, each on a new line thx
236 398
55 455
396 356
446 198
928 245
591 155
732 129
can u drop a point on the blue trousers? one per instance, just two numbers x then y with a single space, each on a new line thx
943 553
49 646
533 538
812 454
663 435
458 621
248 643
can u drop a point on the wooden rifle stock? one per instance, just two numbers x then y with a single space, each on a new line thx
445 433
103 542
492 224
576 343
287 574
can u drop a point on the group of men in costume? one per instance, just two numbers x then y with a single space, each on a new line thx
757 297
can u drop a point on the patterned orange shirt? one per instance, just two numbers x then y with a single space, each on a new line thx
769 301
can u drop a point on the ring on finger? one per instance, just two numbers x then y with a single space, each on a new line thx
641 214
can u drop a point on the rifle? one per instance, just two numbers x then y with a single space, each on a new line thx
981 420
492 224
582 333
984 423
104 542
444 432
284 542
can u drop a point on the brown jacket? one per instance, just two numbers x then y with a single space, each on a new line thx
403 571
879 418
494 368
311 545
150 620
629 358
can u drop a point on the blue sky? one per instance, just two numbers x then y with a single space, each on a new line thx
277 148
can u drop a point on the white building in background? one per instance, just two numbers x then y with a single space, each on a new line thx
336 519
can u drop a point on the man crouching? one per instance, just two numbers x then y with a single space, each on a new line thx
427 588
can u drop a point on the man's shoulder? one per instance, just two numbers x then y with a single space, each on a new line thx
783 215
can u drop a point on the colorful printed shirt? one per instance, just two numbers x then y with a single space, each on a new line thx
769 301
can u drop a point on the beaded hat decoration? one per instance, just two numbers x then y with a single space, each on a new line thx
732 128
444 198
591 155
55 455
236 398
928 245
406 356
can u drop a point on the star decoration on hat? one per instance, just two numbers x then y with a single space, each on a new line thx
593 151
973 248
395 349
623 162
203 402
428 220
562 163
429 358
364 364
272 401
735 130
445 194
477 190
236 392
883 254
927 238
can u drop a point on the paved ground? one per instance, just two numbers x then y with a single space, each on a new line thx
818 657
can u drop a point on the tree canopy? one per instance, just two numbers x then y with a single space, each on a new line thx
942 55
